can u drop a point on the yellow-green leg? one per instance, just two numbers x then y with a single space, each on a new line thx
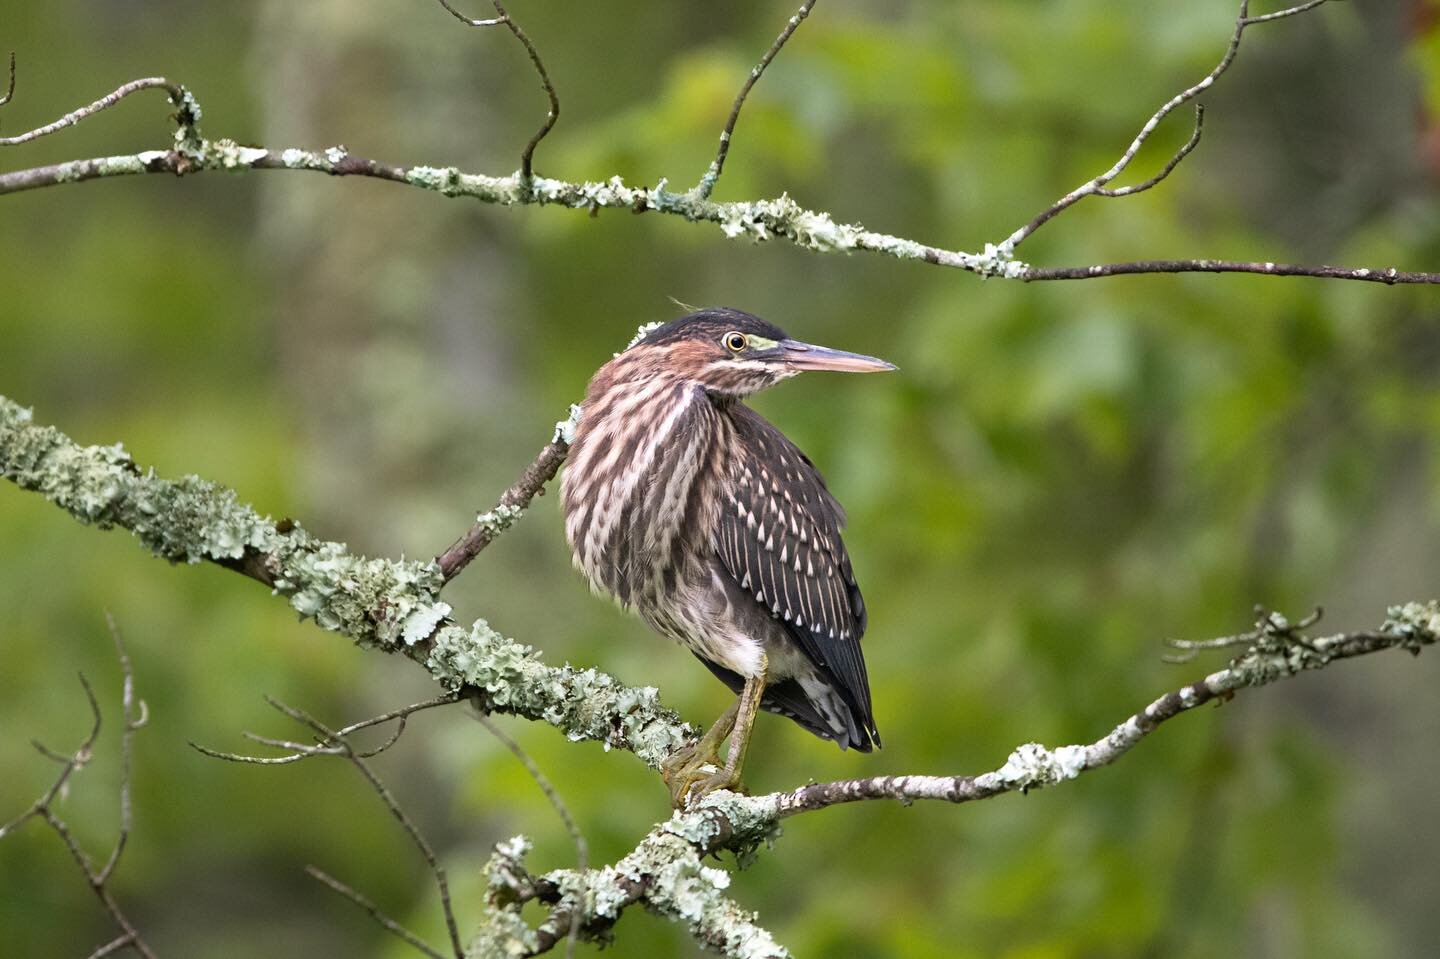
739 719
688 766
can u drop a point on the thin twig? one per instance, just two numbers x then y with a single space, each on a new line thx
175 91
130 721
332 742
1173 162
10 88
527 156
1389 277
707 183
530 484
374 912
113 946
43 808
299 751
492 22
582 848
1095 185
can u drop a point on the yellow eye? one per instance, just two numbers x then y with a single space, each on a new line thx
734 341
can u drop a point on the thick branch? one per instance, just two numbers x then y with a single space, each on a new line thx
392 605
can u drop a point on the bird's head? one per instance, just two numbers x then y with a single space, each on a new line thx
734 354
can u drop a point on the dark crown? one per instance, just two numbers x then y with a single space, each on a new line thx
714 323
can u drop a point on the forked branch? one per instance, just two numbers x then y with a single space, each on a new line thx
332 742
756 220
1099 185
133 715
503 18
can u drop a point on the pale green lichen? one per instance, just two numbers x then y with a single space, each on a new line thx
667 873
644 330
565 429
584 703
1032 765
499 519
1418 623
229 155
376 602
188 141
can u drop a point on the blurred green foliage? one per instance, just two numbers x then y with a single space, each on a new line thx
1061 477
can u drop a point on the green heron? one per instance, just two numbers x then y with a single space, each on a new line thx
689 508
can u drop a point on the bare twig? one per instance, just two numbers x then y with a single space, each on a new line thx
299 751
176 92
552 114
1390 276
132 717
492 22
576 916
333 743
374 912
1173 162
527 156
43 808
1270 628
10 87
1096 185
707 183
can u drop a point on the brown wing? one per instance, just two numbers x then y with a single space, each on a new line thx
779 537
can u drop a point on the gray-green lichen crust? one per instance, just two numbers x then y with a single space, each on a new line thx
393 604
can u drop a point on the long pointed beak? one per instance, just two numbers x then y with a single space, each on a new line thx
807 356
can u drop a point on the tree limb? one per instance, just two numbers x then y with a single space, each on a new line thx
665 870
757 220
394 605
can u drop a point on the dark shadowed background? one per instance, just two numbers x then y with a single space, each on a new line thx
1060 478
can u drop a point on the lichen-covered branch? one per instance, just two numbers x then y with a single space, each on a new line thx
779 218
666 873
389 604
394 605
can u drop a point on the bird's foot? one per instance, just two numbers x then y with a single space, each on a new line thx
689 766
691 774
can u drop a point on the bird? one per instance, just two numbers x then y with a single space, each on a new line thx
690 509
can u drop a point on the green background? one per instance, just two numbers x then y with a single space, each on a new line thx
1061 477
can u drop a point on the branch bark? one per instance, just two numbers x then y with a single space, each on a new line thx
394 606
758 220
